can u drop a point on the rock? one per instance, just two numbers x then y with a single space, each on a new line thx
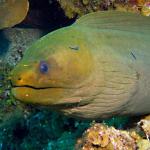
15 41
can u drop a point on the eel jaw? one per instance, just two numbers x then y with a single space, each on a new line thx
54 97
41 96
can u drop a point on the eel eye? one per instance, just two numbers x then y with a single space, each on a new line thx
43 67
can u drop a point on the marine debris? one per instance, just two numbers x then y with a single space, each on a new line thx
12 12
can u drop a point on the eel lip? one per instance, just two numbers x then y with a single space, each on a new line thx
34 95
40 95
40 88
21 94
32 87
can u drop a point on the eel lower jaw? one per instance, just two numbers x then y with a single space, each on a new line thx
56 97
36 95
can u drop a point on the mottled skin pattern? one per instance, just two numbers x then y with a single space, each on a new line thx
97 67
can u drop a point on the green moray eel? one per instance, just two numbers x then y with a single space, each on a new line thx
98 67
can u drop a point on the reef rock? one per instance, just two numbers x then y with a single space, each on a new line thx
15 40
101 137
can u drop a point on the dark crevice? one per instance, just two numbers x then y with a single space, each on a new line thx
46 14
20 131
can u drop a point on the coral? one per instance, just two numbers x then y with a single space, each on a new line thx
127 7
12 12
135 6
145 10
73 8
145 126
143 145
101 137
140 3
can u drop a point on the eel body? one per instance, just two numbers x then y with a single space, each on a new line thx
97 67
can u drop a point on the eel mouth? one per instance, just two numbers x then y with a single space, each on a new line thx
38 95
56 97
35 88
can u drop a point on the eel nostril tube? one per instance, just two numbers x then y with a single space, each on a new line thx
19 78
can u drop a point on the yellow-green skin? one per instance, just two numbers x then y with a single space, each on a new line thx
97 67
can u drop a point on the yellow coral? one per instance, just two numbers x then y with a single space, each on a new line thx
145 126
146 9
101 137
73 8
12 12
143 145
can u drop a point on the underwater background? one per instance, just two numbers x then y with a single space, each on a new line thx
28 127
